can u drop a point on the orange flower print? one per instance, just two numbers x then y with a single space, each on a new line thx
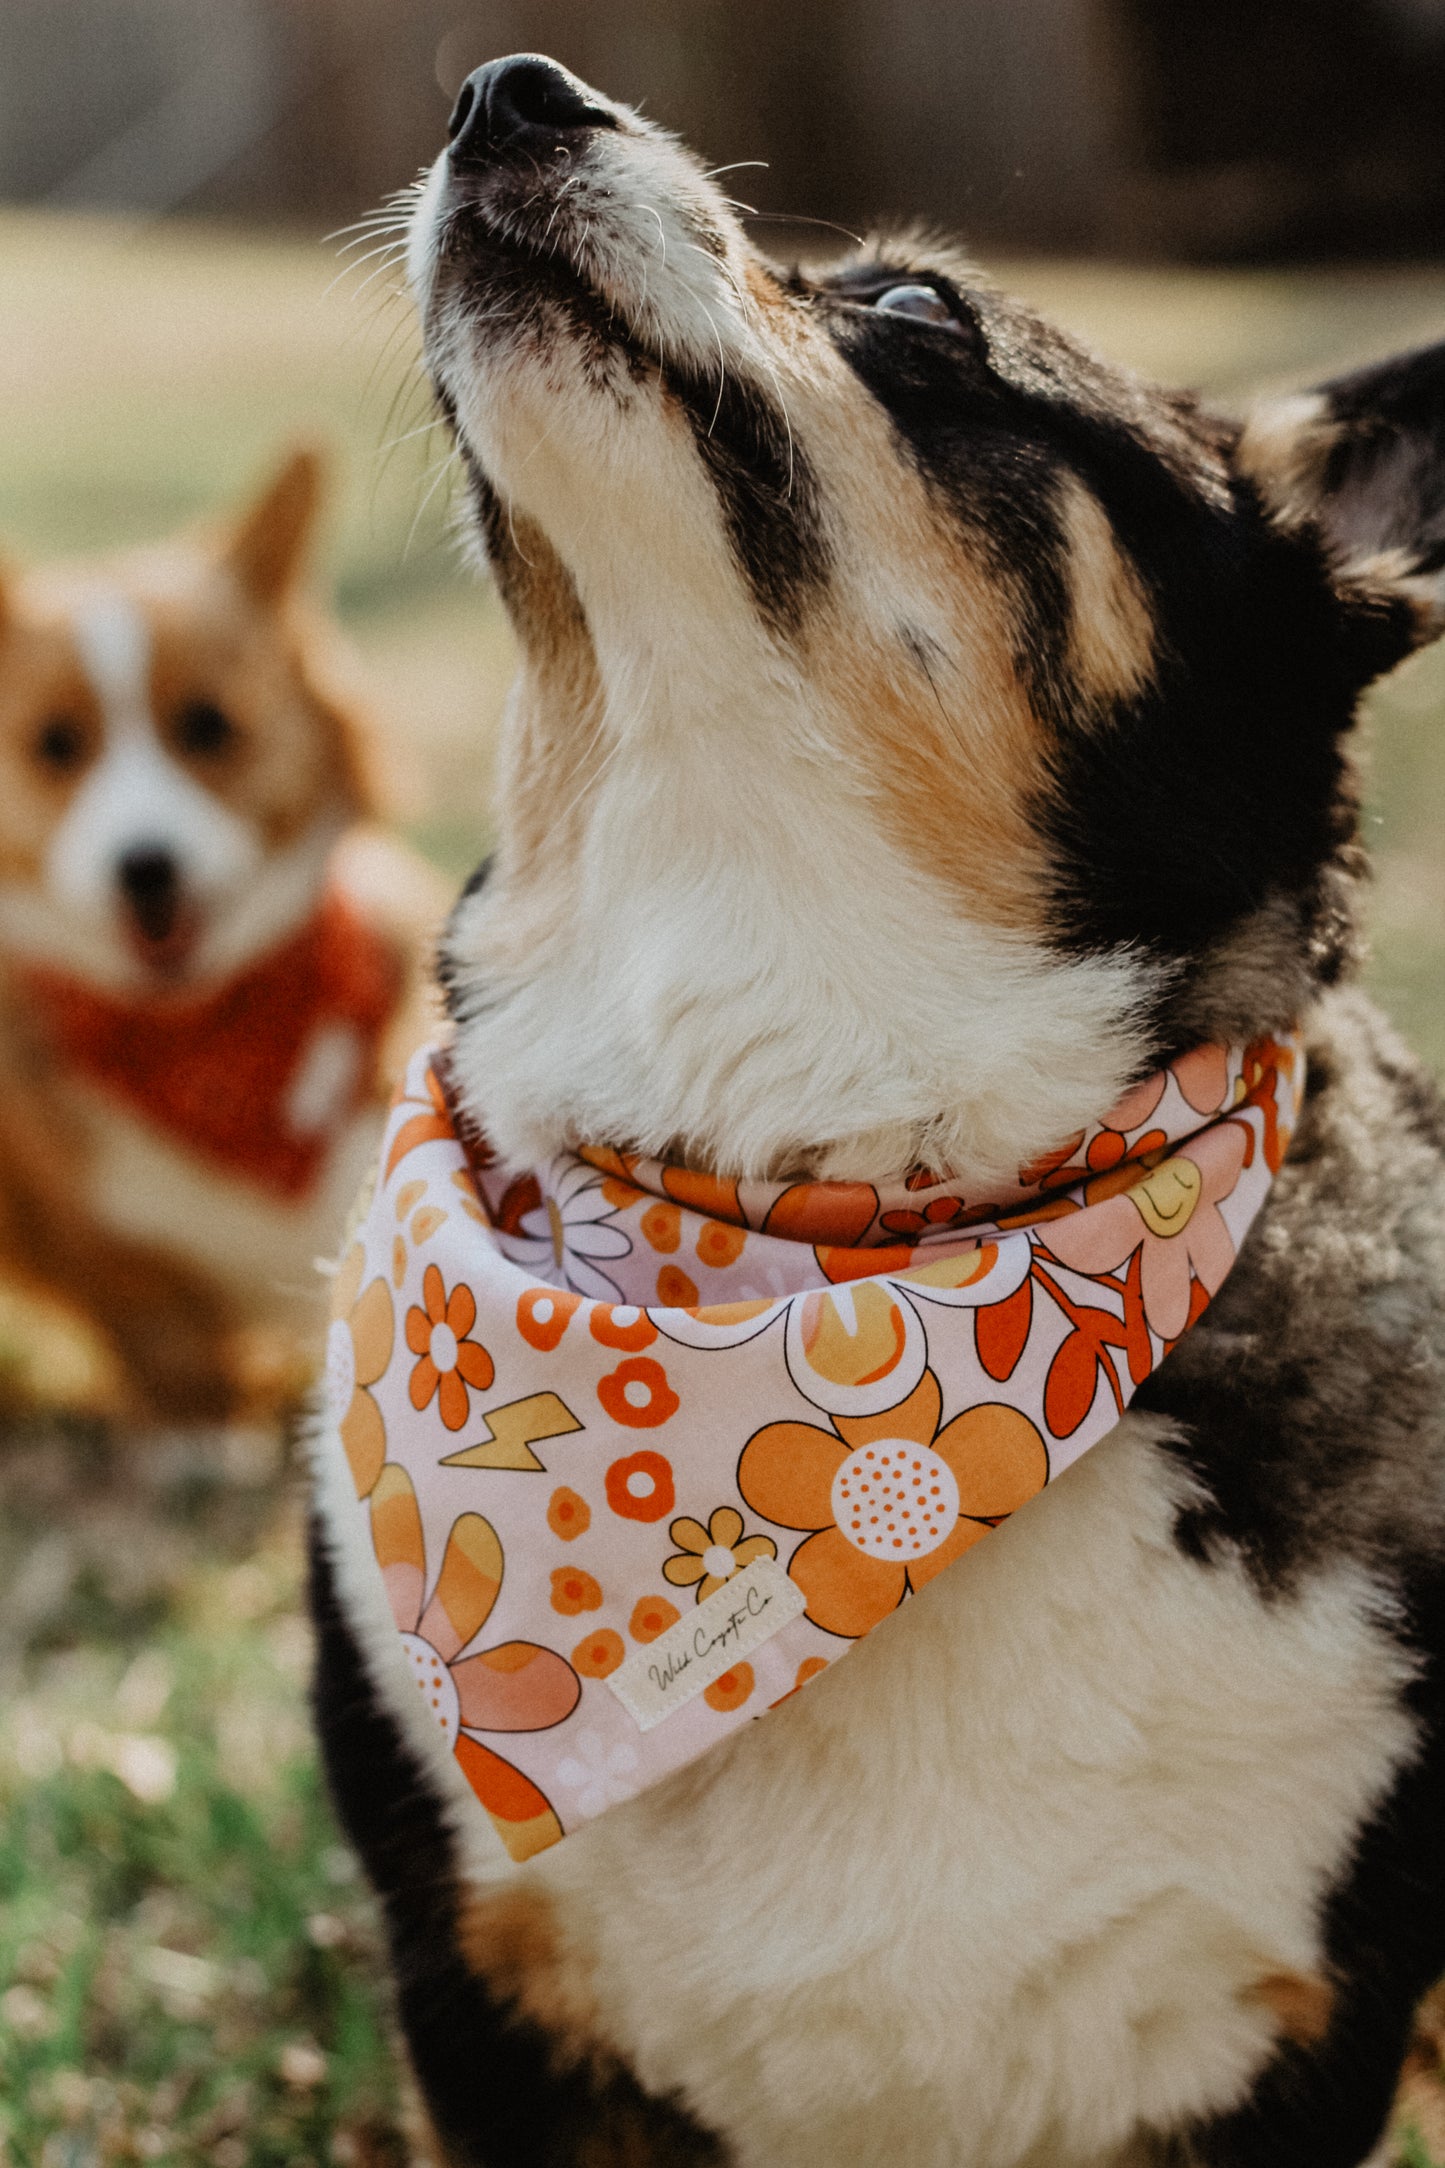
662 1225
599 1654
939 1214
720 1246
637 1394
640 1487
428 1127
1265 1062
651 1616
707 1557
621 1325
568 1516
543 1315
448 1361
358 1349
1035 1173
731 1690
809 1668
574 1591
675 1291
1173 1214
514 1687
889 1499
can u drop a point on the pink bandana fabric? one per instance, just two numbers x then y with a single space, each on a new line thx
640 1452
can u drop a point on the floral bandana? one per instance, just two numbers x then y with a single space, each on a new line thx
640 1452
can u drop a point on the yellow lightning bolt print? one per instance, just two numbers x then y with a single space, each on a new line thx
514 1430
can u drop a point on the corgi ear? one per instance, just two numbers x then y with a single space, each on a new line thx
1362 460
266 549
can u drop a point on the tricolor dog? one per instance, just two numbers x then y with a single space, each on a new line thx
198 995
907 1023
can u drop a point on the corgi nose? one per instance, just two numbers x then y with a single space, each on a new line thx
525 102
150 881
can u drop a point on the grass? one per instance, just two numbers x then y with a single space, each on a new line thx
189 1968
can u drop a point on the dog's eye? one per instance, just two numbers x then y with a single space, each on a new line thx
920 301
203 728
60 744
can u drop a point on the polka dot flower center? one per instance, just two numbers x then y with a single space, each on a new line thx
718 1561
895 1500
340 1369
444 1347
542 1310
640 1484
637 1393
438 1690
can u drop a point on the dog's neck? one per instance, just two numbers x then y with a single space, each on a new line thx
698 942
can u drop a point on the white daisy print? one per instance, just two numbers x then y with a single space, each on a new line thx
598 1775
571 1228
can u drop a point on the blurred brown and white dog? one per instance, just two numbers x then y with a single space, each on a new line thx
206 970
924 730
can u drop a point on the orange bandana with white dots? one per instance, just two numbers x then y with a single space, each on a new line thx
640 1452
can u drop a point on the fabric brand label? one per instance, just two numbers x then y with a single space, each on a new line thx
695 1653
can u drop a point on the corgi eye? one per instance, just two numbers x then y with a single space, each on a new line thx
60 744
920 301
204 729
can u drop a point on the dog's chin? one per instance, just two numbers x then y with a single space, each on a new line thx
502 283
165 959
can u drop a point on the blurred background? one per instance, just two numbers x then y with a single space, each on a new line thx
1238 194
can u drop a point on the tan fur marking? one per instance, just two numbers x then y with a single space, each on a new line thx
1302 2003
40 680
942 737
950 776
551 750
1283 448
266 550
509 1938
1111 628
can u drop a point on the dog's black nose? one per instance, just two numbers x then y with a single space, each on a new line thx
525 102
150 881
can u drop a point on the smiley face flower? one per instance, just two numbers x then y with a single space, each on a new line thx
1174 1216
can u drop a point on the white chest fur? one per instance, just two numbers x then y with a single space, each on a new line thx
997 1890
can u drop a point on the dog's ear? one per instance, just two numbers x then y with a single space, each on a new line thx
266 549
1362 460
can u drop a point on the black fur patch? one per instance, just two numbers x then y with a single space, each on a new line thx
444 963
1384 477
766 488
1224 787
495 2087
